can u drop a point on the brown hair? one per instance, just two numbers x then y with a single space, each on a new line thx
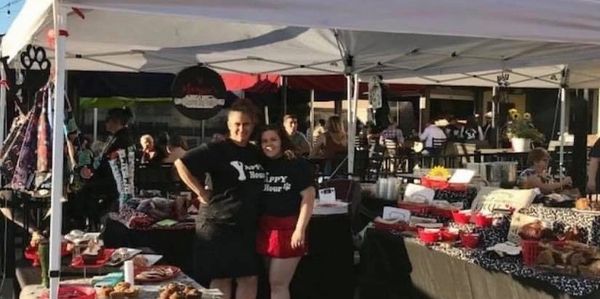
245 106
536 155
336 130
289 116
286 143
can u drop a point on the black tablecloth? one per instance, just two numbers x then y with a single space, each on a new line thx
326 272
174 245
393 268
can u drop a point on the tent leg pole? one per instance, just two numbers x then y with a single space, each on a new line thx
60 23
266 114
563 106
95 124
312 118
3 85
349 89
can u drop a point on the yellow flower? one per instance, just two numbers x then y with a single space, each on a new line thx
515 116
439 172
512 111
527 116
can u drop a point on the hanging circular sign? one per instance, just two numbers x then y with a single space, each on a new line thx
198 92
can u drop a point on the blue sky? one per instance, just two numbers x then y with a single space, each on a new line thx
6 19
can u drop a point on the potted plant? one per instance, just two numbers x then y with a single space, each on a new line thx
521 131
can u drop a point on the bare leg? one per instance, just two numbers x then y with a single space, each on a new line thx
280 275
246 287
224 285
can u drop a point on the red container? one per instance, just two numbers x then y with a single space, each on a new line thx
429 237
482 220
396 227
461 217
449 235
530 250
73 291
433 183
415 208
444 213
470 240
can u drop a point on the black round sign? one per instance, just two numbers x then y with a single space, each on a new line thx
198 92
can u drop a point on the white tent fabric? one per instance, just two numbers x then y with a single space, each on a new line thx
551 20
115 40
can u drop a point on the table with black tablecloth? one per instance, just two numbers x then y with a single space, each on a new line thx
397 267
326 272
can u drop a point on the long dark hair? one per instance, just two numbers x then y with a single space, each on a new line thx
121 115
286 144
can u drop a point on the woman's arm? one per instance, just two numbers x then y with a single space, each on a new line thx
534 181
306 209
192 182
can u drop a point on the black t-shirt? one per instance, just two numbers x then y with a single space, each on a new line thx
237 178
283 184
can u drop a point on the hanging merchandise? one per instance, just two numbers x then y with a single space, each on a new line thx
122 164
26 164
375 95
9 154
44 146
382 119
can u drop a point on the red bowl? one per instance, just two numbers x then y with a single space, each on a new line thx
429 237
482 220
449 235
461 217
469 240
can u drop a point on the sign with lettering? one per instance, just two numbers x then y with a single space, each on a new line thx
198 92
489 198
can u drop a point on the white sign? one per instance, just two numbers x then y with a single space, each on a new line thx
418 194
462 176
489 198
327 195
396 214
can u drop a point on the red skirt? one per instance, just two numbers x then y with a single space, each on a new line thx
275 237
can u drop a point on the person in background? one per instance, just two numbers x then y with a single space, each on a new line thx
592 169
392 132
333 144
318 130
472 131
536 176
301 145
453 129
176 148
226 225
487 127
430 132
286 207
149 152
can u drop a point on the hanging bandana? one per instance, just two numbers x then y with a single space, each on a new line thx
375 98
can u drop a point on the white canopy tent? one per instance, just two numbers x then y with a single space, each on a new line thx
398 39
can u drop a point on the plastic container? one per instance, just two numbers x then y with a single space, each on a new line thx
530 250
483 220
462 217
429 236
415 208
470 240
449 234
433 183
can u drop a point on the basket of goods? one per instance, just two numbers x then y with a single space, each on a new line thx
120 290
531 234
569 257
470 240
178 290
586 205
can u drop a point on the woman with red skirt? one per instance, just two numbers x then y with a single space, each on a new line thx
286 207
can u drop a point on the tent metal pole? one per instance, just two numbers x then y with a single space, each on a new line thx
312 119
95 124
266 115
203 132
60 24
563 107
3 85
349 89
354 107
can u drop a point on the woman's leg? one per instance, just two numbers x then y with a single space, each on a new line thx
281 272
224 285
246 287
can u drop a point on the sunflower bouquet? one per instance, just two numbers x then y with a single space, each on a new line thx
520 125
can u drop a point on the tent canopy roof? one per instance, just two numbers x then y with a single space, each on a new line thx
446 46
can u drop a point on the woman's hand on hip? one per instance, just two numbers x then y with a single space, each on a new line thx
298 239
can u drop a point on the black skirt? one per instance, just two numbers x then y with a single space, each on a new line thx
224 251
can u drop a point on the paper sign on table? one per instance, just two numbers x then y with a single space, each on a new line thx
418 194
396 214
488 199
462 176
327 195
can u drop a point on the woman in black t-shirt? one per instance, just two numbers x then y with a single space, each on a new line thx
225 239
286 207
